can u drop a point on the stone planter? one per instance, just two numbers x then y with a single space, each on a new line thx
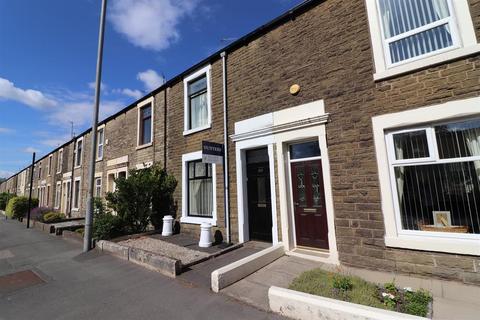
299 305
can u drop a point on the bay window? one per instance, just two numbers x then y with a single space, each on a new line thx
435 175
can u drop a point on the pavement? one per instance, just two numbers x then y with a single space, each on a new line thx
47 277
200 274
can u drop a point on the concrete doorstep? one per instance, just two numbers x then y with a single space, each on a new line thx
238 270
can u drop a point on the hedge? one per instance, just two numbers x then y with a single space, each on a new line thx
53 217
18 207
4 197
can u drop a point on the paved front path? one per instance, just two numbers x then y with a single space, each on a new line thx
98 286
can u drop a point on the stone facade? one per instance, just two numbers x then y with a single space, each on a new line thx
325 47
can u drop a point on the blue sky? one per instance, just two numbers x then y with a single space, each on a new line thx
48 56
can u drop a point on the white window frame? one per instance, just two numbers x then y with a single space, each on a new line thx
186 158
430 134
39 173
48 190
49 165
115 172
96 179
100 143
76 151
203 71
74 199
58 195
411 239
463 37
59 161
152 126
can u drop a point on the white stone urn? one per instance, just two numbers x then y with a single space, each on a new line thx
167 229
205 235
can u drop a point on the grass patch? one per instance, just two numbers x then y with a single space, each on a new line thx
356 290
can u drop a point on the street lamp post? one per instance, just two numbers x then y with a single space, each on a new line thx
87 240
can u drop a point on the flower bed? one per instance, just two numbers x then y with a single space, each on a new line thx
356 290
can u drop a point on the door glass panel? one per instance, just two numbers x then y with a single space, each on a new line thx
305 150
302 201
257 156
261 190
316 187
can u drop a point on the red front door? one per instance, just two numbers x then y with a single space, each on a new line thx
311 227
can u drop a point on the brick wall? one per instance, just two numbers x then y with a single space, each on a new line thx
327 52
178 144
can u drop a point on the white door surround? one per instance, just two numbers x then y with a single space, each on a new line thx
277 130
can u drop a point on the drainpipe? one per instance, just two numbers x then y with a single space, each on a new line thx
165 128
72 178
226 180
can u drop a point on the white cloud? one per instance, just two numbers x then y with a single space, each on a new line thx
32 98
150 24
5 174
136 94
80 112
30 150
151 79
54 141
103 86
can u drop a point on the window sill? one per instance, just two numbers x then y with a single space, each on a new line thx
427 62
98 160
437 244
143 146
198 220
192 131
76 209
77 167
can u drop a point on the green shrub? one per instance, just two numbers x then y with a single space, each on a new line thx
341 282
4 198
99 207
108 226
390 287
17 207
53 217
145 197
162 196
416 303
131 200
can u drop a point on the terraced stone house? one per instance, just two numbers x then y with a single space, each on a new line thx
352 133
